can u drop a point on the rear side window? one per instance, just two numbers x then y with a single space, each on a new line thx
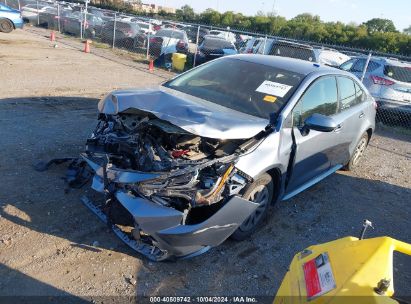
346 66
321 98
358 66
359 93
402 74
346 88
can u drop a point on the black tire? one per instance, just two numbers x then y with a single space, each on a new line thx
261 190
6 26
358 153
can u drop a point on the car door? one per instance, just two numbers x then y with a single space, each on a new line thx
351 118
314 150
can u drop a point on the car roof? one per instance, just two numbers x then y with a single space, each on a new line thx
385 60
215 37
290 64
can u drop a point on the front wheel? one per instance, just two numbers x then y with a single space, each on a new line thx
260 192
6 26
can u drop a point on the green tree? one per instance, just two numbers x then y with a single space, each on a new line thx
408 30
186 13
380 25
210 16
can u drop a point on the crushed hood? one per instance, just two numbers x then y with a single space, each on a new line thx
192 114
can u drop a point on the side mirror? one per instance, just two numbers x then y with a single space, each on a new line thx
319 122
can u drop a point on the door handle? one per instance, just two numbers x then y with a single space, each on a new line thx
338 128
361 115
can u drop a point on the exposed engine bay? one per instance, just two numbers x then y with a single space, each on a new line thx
167 169
193 171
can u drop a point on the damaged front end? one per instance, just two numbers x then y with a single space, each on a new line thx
174 194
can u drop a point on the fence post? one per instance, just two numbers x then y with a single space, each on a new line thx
366 66
38 13
148 46
5 2
58 17
265 43
19 5
196 50
114 29
81 23
85 19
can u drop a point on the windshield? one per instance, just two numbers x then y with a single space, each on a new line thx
247 87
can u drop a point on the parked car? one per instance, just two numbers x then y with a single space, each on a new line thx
203 156
330 57
10 19
284 48
214 47
168 41
193 31
146 27
73 24
251 46
226 35
389 82
49 17
127 35
30 12
103 14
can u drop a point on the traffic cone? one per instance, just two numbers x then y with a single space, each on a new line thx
52 36
87 46
151 65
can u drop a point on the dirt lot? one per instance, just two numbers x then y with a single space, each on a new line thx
51 245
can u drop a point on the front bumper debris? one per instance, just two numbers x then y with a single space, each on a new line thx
172 238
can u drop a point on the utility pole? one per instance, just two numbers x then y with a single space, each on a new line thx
274 5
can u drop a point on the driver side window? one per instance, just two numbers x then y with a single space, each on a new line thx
321 98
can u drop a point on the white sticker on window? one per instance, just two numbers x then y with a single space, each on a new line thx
274 88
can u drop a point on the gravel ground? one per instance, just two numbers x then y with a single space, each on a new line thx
51 245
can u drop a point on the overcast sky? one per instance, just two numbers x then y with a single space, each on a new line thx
359 11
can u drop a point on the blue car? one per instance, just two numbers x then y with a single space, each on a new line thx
10 19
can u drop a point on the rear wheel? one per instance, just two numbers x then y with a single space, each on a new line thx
6 26
260 192
358 153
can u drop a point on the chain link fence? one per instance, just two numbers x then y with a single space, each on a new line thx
182 46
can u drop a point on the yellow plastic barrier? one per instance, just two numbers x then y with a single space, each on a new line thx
179 61
349 271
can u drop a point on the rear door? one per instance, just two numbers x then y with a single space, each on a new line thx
315 151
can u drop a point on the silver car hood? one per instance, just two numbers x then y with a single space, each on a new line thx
192 114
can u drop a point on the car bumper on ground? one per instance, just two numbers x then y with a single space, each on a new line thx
172 238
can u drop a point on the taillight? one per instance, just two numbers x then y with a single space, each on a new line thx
153 40
382 81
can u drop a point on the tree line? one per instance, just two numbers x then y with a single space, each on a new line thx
377 34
